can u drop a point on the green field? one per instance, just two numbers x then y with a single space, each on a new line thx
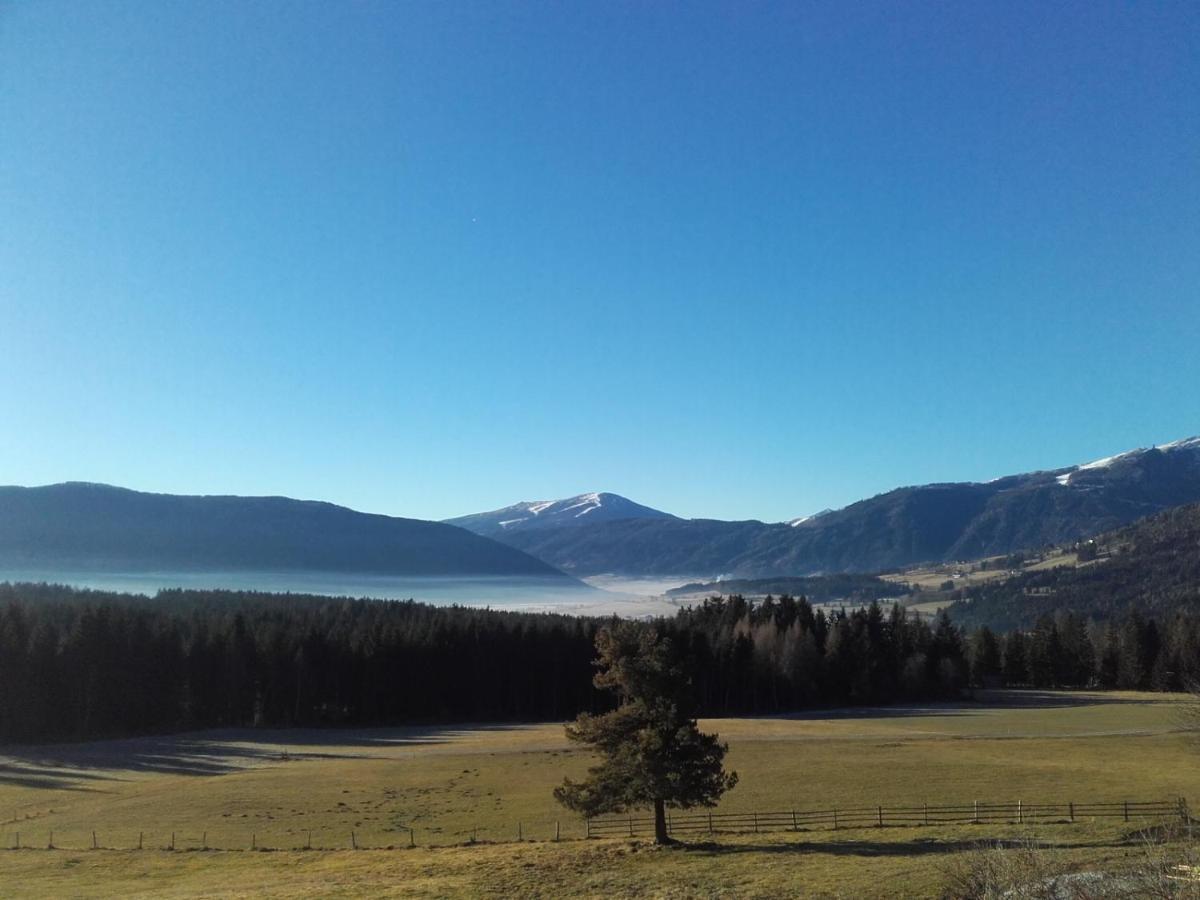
281 791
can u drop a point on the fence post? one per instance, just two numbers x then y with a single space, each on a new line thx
203 840
519 836
50 845
926 807
18 840
139 840
835 822
353 841
756 823
557 829
668 822
93 840
976 819
412 837
172 840
1020 814
308 839
631 826
253 841
1126 810
880 810
1071 810
710 828
588 823
795 827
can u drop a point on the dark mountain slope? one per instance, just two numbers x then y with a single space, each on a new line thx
641 546
1152 565
96 526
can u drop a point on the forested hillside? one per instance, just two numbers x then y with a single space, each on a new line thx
1152 566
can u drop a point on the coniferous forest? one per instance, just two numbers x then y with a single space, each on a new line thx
83 664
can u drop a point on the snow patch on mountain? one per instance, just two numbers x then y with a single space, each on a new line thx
1192 443
583 508
803 519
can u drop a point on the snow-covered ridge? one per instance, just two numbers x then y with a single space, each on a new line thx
573 507
589 507
803 519
1192 443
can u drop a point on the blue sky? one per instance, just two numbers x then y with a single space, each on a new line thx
734 260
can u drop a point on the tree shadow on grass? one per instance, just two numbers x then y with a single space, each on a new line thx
917 847
217 752
18 775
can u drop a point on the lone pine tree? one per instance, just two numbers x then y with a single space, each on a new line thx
652 753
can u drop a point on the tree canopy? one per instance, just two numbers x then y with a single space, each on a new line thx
652 751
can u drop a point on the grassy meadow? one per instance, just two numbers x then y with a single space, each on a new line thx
280 791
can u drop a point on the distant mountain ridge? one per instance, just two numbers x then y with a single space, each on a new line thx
909 525
95 526
583 509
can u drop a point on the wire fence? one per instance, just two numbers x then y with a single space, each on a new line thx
686 824
974 813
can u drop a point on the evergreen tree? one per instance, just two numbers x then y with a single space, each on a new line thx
1045 654
652 752
1109 667
1016 662
985 656
1131 669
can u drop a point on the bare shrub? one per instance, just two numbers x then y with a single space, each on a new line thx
1028 871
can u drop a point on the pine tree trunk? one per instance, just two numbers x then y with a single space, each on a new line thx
660 823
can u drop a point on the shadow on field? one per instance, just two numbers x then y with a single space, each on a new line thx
918 847
214 752
21 775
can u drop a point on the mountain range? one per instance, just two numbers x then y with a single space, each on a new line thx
909 525
87 526
81 526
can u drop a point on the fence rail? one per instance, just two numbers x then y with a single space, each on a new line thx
976 812
194 837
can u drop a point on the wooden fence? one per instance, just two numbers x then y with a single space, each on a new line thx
974 813
679 824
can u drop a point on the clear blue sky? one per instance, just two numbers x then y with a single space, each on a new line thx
736 260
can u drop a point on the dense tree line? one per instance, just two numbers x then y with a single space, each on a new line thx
76 664
1065 650
82 664
782 654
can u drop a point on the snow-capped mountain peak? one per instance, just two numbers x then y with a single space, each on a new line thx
581 509
572 507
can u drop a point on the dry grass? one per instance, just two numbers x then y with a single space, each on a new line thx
969 573
277 788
